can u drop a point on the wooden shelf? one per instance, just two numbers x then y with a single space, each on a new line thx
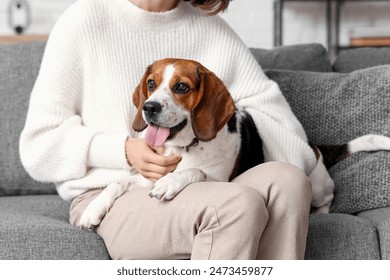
22 38
370 42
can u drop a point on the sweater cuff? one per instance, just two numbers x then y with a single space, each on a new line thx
108 151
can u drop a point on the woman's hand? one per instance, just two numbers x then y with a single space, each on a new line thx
148 161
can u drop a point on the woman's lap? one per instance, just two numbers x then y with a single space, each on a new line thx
140 227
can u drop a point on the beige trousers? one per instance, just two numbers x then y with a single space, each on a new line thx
262 214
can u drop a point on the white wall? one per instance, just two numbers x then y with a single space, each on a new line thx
44 13
304 22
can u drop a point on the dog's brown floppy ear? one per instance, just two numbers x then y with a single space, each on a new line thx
215 107
139 96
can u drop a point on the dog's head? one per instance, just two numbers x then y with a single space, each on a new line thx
180 100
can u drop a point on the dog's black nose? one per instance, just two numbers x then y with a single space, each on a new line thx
152 108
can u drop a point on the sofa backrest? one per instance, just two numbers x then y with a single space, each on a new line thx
355 59
304 57
19 66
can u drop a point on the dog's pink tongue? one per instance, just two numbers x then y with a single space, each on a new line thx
156 135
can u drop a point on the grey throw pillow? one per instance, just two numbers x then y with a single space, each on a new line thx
335 108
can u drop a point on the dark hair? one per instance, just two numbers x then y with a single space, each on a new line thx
211 7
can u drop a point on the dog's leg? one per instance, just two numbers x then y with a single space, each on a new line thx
97 209
171 184
322 187
323 209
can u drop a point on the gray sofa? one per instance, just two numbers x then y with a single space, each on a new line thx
334 107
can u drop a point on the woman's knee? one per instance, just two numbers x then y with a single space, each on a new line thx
234 203
243 208
248 200
289 181
232 196
293 188
293 182
297 181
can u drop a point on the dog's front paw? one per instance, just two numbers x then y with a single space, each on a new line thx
96 210
92 216
167 187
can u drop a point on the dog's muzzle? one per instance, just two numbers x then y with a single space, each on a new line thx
156 133
151 110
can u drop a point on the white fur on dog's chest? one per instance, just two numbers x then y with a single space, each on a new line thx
216 158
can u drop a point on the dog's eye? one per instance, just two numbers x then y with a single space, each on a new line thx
181 88
151 85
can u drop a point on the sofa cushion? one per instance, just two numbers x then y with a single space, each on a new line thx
380 218
335 108
341 237
355 59
305 57
19 65
37 227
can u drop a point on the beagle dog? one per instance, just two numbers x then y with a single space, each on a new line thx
187 108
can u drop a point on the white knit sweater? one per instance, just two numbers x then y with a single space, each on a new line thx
81 107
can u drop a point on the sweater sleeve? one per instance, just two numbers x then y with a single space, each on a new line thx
283 136
55 145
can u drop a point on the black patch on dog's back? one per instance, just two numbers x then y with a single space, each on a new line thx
251 151
232 124
332 154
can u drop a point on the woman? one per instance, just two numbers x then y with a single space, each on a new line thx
78 135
